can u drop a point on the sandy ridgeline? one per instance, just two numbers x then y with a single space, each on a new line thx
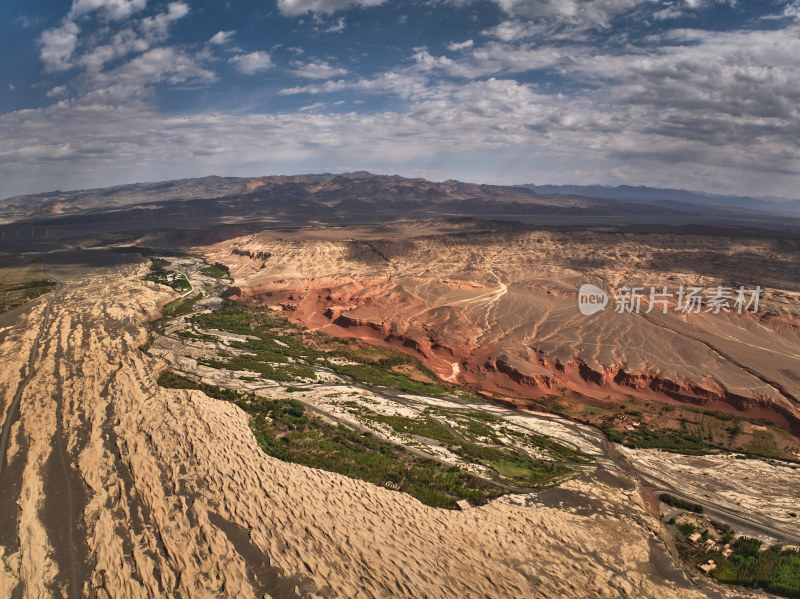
113 483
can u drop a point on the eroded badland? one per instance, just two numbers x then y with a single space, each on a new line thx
450 349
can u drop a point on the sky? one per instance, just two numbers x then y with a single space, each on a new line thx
692 94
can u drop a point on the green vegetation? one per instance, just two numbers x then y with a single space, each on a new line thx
727 533
286 431
15 295
180 306
217 271
376 375
774 569
645 437
159 274
277 340
145 347
195 337
508 462
678 442
276 349
22 283
280 372
763 445
681 503
171 380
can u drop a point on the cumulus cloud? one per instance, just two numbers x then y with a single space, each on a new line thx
509 31
136 78
156 27
222 38
699 106
123 43
293 8
670 12
57 46
581 14
110 9
249 64
313 89
792 10
426 61
456 46
475 128
319 70
59 90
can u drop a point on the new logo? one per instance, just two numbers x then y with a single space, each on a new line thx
591 299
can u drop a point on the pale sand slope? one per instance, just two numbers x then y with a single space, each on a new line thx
171 474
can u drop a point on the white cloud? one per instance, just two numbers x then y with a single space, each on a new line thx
323 88
11 87
249 64
494 58
336 27
135 79
110 9
456 46
60 90
427 62
58 45
221 38
576 13
310 107
670 12
319 70
509 31
156 27
293 8
123 43
792 10
491 129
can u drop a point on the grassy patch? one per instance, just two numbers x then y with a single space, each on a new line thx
507 462
217 271
378 376
180 306
275 372
285 430
277 340
195 337
21 284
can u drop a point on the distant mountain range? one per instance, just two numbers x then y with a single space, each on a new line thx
257 203
680 197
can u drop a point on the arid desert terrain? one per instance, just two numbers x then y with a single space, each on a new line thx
400 409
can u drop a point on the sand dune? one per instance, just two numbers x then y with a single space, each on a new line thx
166 494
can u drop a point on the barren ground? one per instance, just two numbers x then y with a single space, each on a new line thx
112 482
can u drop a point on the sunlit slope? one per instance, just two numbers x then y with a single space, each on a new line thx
500 309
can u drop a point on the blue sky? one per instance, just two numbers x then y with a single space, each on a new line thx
699 94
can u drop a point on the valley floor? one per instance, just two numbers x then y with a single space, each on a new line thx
112 482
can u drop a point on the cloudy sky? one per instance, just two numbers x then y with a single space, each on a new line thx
697 94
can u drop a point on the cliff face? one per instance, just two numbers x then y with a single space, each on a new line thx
498 311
